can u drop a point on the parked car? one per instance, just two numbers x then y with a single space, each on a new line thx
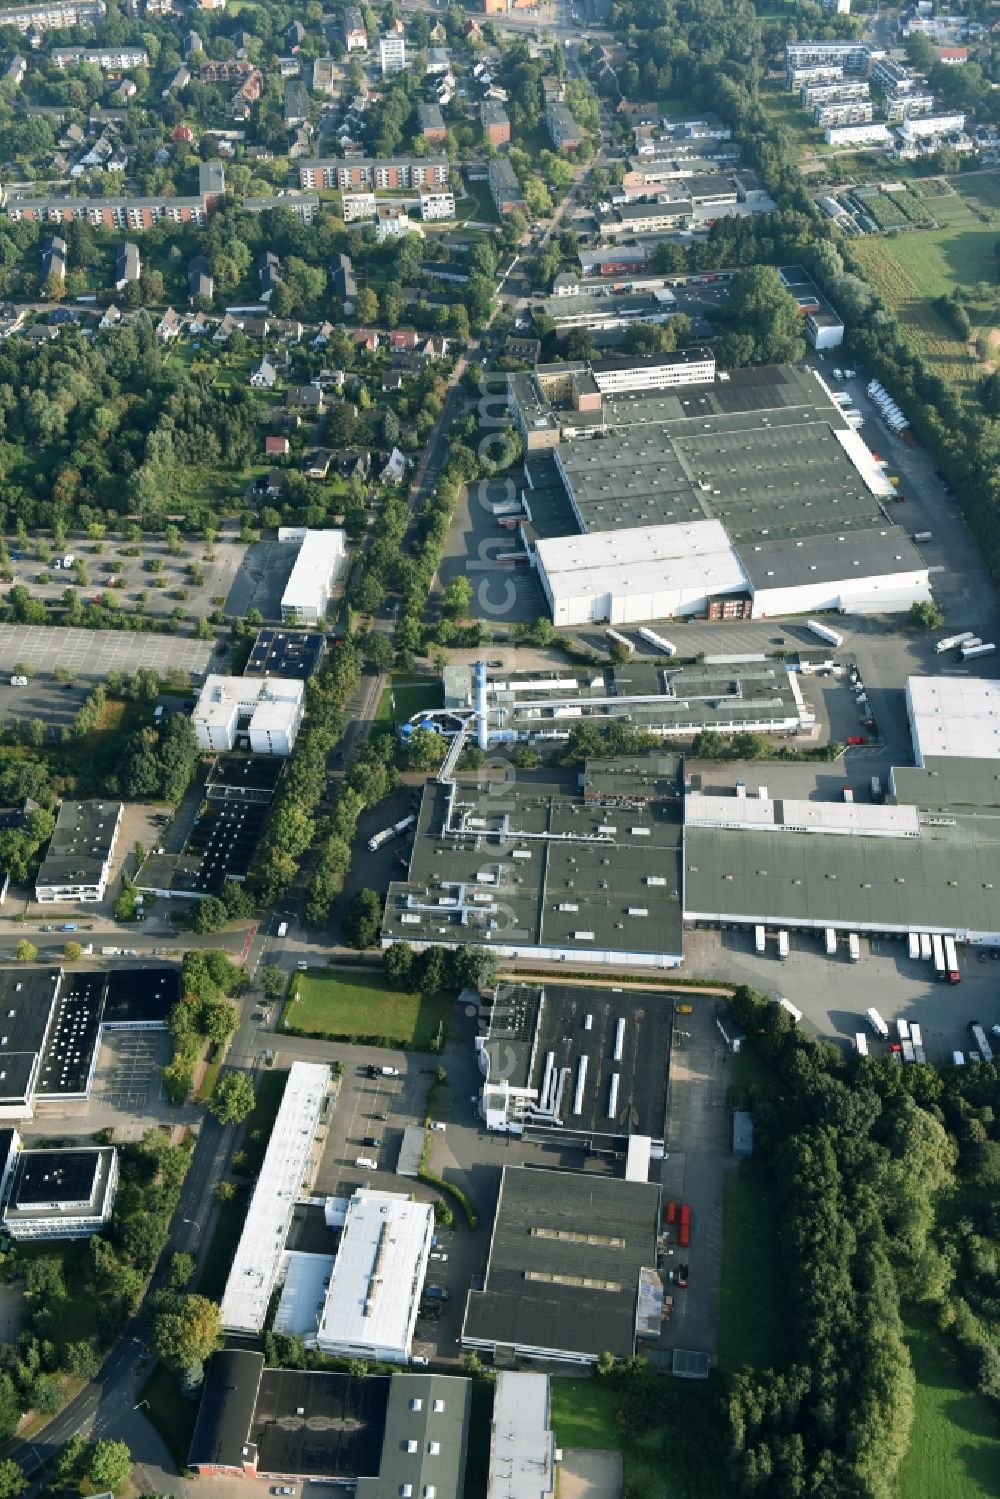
439 1254
437 1126
420 1361
369 1140
856 739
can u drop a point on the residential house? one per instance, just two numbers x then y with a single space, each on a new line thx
54 260
268 273
345 287
402 339
296 103
392 381
275 479
226 326
295 35
324 76
496 124
431 122
438 61
178 80
255 327
264 376
391 54
317 463
437 204
436 346
276 447
307 398
169 326
365 339
125 91
565 132
16 69
353 463
200 281
111 318
392 222
190 42
128 266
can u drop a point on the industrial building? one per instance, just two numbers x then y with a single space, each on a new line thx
377 1279
260 714
398 1434
286 653
522 1444
284 1176
700 490
824 328
584 1065
55 1194
77 861
317 567
953 717
54 1023
571 1272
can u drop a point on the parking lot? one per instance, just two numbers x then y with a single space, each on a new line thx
134 1072
126 1095
90 654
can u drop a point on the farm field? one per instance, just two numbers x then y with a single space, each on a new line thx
955 1438
910 270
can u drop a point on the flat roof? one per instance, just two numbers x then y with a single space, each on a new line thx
642 778
957 716
81 843
281 1180
691 559
67 1178
225 1414
319 1425
851 819
426 1438
565 1261
244 777
285 653
140 996
220 845
531 1029
787 561
375 1288
522 1445
538 867
321 554
70 1051
222 696
27 1006
949 782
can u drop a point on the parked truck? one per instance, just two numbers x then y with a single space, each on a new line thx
917 1039
759 939
377 840
651 638
830 937
940 970
951 961
789 1008
616 638
926 947
970 651
861 1043
952 642
982 1045
854 947
782 944
824 632
877 1024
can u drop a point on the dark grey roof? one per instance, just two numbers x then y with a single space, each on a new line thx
565 1263
140 996
430 1411
789 560
27 1005
69 1053
80 844
228 1397
65 1176
317 1425
285 653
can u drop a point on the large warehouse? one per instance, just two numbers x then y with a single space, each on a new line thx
685 490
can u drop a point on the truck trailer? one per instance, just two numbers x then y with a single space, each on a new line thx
940 970
759 939
951 961
877 1024
830 937
970 651
651 638
824 632
952 642
913 945
861 1043
982 1045
854 947
782 944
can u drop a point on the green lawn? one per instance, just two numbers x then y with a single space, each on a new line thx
681 1457
477 204
406 696
260 1120
327 1004
752 1325
955 1440
219 1255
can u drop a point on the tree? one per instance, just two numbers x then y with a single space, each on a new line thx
273 981
109 1465
72 952
218 1019
924 615
364 920
12 1480
25 951
232 1098
186 1331
366 305
182 1268
398 965
709 744
457 597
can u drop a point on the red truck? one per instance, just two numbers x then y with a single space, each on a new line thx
670 1214
684 1231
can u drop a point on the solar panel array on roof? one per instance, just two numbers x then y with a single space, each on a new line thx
285 653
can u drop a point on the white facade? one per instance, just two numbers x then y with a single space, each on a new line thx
953 716
923 127
310 586
78 1204
437 205
857 135
358 206
522 1445
78 862
267 710
282 1180
688 367
391 54
391 222
371 1305
890 593
650 572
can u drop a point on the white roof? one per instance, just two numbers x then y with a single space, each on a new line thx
320 556
265 1229
793 816
379 1270
303 1291
274 700
690 559
863 459
522 1450
954 716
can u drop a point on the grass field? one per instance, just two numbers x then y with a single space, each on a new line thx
908 271
681 1458
955 1440
327 1004
406 696
219 1255
752 1326
260 1120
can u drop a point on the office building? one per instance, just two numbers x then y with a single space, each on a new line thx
296 654
391 55
77 861
57 1194
310 585
262 715
522 1444
374 1294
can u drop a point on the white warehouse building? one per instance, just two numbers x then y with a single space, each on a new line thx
261 714
377 1279
317 567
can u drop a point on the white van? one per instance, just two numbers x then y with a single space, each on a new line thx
283 929
366 1163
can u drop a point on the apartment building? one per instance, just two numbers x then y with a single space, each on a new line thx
354 172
